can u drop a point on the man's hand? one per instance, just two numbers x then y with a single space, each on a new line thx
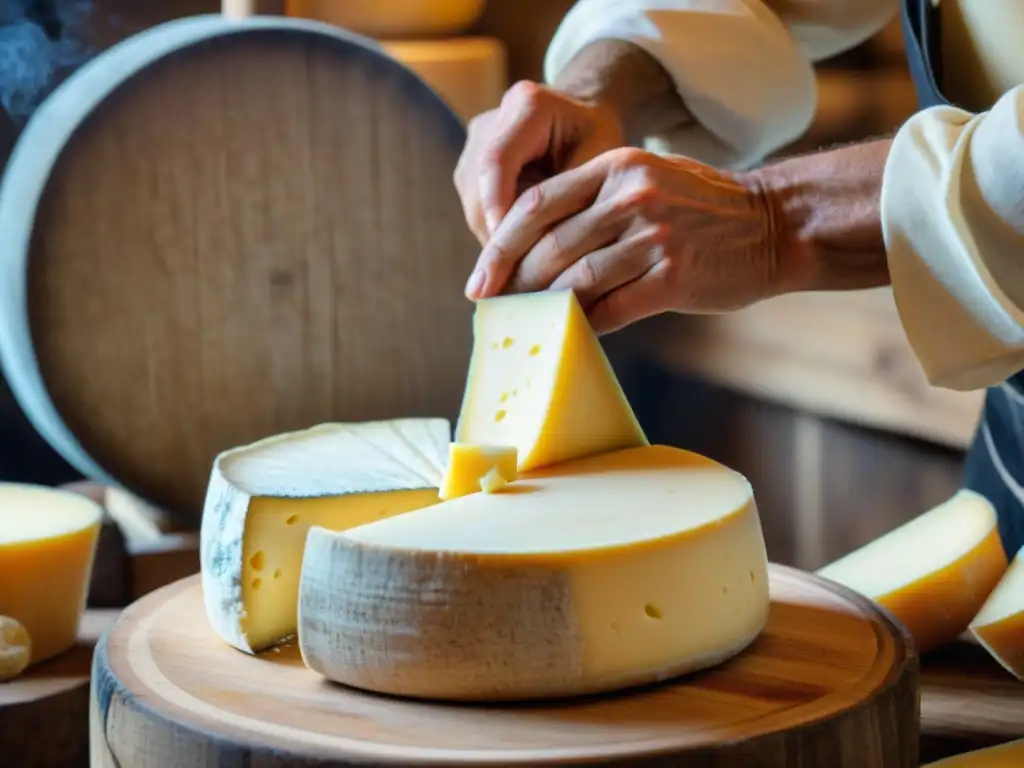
535 132
635 234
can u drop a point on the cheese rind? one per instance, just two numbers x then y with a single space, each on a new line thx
539 380
48 541
468 465
999 624
932 573
598 574
263 498
15 648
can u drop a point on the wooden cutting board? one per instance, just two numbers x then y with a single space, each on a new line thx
222 229
44 713
831 682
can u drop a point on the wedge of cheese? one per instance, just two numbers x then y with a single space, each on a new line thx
476 468
999 625
605 572
540 381
1009 755
263 498
48 543
934 572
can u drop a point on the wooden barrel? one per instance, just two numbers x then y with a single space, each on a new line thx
832 681
225 228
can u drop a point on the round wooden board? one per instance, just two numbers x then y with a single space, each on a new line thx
44 713
223 229
831 682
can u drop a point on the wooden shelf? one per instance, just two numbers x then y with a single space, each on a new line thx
839 355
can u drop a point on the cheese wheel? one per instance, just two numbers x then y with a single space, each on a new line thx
539 380
933 572
470 466
393 18
469 73
1009 755
263 498
47 545
999 625
605 572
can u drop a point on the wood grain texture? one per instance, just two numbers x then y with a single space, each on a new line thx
968 702
832 681
838 355
253 232
44 713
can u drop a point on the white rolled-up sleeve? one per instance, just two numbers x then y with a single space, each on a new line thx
953 221
743 68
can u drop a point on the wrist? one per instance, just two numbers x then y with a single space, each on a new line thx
625 83
824 218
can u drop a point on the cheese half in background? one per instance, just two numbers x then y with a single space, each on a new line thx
48 543
539 380
469 465
263 498
934 572
609 571
469 73
999 625
1009 755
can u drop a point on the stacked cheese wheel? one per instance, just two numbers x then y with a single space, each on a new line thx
468 72
548 551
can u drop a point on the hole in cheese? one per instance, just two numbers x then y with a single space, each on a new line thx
652 611
257 583
500 415
753 577
534 351
291 520
257 560
507 342
277 573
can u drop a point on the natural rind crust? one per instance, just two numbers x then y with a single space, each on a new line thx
227 506
424 625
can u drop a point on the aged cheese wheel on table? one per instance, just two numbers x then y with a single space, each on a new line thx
934 572
831 681
611 571
222 229
555 385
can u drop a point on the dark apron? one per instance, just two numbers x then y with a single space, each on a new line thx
995 461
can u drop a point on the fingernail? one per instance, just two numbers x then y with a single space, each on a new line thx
476 283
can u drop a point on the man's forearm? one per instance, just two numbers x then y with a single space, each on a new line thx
627 80
825 218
